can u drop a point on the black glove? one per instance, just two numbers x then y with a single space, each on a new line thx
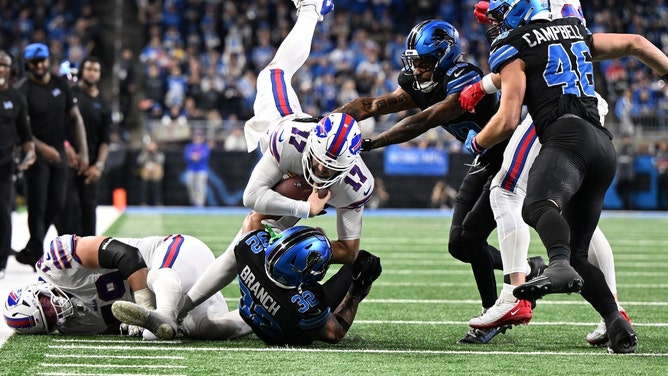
366 269
366 144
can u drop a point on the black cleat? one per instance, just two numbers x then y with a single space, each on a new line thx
482 336
537 265
27 258
623 339
559 277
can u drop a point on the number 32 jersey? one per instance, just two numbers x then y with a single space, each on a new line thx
279 316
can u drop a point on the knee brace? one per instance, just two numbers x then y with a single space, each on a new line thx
113 254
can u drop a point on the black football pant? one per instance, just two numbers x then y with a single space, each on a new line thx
6 199
566 187
46 184
472 223
78 215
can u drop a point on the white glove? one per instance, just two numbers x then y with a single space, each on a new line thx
131 330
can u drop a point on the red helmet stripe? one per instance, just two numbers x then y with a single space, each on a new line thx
345 127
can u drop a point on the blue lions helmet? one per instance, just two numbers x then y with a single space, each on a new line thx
431 45
331 150
511 14
301 254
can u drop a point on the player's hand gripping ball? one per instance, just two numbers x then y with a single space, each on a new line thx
294 187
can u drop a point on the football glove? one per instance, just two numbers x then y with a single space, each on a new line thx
471 145
366 269
480 12
366 144
471 96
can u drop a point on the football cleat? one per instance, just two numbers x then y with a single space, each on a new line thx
482 336
599 337
622 338
537 265
503 313
322 7
558 277
28 258
133 314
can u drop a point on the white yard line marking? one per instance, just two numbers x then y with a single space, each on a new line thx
113 356
107 366
74 372
364 351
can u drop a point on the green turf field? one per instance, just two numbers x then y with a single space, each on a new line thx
409 323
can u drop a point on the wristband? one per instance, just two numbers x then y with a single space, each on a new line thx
488 85
476 147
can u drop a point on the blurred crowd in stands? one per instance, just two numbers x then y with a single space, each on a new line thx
200 57
197 68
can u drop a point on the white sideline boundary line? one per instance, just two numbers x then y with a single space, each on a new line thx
19 274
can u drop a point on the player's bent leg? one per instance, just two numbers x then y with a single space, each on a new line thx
166 285
212 323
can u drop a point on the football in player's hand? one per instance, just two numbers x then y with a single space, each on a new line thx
294 187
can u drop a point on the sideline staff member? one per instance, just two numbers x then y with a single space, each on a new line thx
51 107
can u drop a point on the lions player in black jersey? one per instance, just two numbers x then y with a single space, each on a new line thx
281 297
547 65
433 77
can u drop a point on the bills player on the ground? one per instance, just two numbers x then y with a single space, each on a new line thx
325 152
509 190
85 276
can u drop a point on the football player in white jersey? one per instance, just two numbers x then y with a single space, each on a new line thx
509 189
86 281
324 152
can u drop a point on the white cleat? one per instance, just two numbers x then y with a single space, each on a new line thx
322 7
134 314
503 313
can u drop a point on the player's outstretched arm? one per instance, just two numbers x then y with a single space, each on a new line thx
613 46
366 107
415 125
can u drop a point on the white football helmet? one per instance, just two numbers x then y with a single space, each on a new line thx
37 309
334 143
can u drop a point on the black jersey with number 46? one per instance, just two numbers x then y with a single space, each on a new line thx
559 69
278 316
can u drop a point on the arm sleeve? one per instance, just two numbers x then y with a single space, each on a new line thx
349 223
260 196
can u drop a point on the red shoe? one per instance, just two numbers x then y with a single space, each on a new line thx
503 313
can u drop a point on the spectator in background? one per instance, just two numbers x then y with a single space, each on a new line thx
151 163
127 85
623 110
235 141
197 155
52 109
154 90
79 213
626 172
661 166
